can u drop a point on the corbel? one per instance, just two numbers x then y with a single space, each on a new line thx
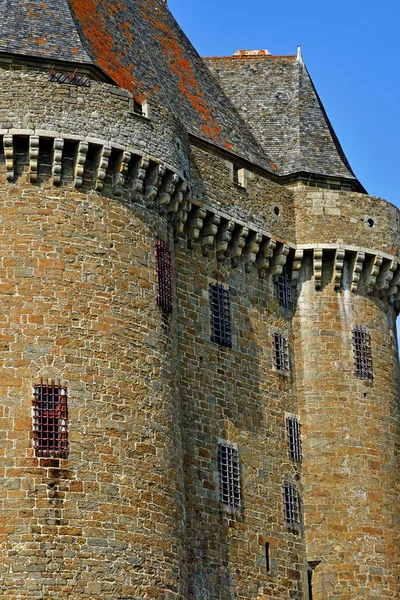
237 244
58 148
265 255
8 143
33 157
195 224
318 253
279 258
251 250
209 232
224 236
83 148
101 170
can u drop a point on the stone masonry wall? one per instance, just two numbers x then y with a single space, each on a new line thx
102 111
327 216
236 395
350 435
77 279
256 205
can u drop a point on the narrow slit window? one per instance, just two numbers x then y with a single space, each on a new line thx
221 330
283 284
50 420
291 504
293 430
164 276
281 353
267 560
235 175
362 353
229 475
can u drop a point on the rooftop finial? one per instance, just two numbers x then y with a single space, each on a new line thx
299 55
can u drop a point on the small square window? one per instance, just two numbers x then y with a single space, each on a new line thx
291 505
50 420
164 276
221 330
229 475
281 353
293 430
362 353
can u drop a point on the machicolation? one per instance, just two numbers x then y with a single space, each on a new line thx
199 373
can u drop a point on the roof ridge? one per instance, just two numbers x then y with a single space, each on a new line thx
250 57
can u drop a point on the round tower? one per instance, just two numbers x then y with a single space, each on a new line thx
92 494
348 380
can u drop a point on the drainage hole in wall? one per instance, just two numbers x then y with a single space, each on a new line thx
277 211
370 222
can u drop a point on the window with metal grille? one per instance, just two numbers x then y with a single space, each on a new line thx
50 420
293 429
283 283
362 353
221 331
229 475
281 353
291 505
164 276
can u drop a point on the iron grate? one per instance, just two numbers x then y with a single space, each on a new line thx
291 504
164 276
221 330
50 420
283 284
280 346
229 475
362 353
293 429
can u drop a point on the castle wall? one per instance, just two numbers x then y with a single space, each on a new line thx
328 216
236 394
350 425
78 305
99 112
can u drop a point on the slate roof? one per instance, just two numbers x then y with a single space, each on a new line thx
277 97
139 45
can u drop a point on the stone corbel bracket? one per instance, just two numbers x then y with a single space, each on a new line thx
98 165
362 270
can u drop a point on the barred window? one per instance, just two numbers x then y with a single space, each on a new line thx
293 429
164 276
291 505
283 283
281 353
221 332
362 353
50 420
229 475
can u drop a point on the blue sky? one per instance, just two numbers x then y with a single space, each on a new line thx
351 50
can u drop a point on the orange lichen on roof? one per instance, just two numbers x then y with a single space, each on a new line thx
181 67
95 30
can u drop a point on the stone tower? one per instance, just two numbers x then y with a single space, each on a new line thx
198 359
